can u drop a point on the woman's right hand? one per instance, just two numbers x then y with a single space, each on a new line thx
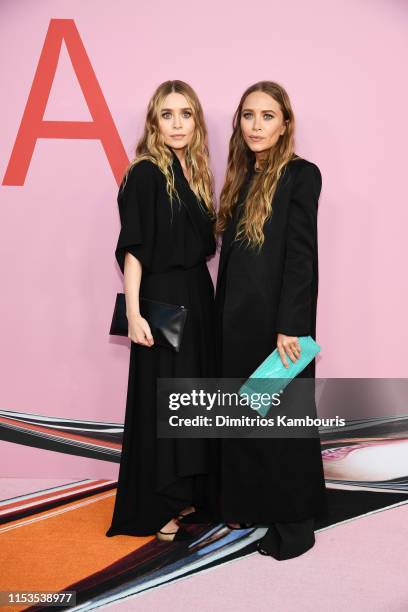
139 331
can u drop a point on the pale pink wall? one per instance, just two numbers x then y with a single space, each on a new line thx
344 66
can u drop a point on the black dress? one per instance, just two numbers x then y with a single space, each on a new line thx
270 480
158 477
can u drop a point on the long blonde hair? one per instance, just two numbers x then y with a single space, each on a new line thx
151 146
258 205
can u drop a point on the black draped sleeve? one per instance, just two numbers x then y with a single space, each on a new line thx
137 211
299 285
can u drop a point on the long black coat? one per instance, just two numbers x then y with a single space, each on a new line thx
259 295
158 477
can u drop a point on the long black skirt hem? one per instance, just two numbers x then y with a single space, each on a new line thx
288 540
153 513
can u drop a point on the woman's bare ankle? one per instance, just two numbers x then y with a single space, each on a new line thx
168 531
187 510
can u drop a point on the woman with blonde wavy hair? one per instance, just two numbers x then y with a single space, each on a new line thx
167 233
265 299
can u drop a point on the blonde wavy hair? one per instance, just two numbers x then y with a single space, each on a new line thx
258 205
151 146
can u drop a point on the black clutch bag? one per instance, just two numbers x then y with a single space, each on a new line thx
166 321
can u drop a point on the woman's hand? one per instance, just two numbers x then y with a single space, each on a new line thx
288 345
139 330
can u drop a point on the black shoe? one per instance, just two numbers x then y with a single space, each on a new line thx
287 540
181 535
241 525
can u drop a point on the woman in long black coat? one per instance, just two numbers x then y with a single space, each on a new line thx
265 299
164 242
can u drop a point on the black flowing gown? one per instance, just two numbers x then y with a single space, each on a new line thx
158 477
277 481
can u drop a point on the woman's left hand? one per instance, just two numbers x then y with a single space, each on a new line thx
288 346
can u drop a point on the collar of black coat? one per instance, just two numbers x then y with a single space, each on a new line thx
197 212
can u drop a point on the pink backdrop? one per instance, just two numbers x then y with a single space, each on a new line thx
343 65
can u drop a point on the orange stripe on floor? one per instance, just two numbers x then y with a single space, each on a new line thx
57 547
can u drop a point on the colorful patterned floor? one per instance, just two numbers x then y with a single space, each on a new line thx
52 538
52 532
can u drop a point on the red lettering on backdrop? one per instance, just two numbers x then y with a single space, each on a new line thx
32 124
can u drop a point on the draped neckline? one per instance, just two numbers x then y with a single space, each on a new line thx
178 171
196 209
178 168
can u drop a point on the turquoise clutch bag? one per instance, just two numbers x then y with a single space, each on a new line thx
275 377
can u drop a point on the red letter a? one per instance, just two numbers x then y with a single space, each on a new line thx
32 124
